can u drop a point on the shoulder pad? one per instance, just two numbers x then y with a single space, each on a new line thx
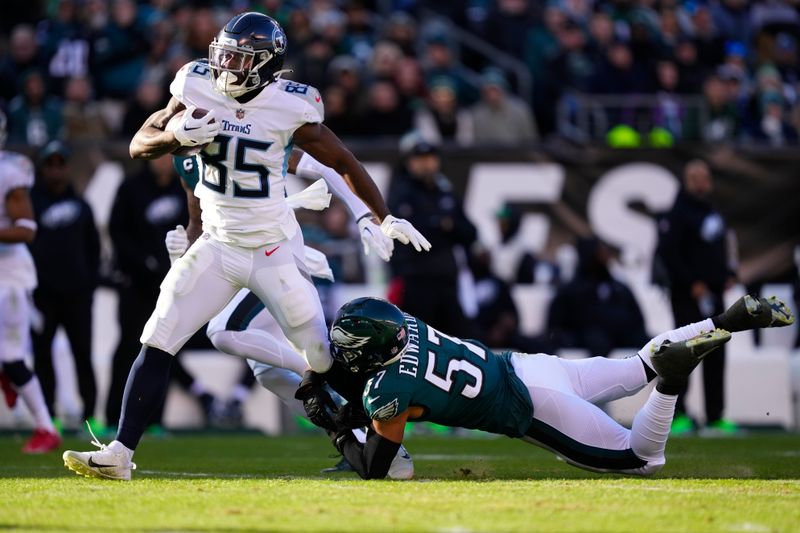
191 71
315 110
197 69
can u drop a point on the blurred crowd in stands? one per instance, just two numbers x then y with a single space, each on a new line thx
715 70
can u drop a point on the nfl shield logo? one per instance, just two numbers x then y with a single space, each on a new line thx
239 114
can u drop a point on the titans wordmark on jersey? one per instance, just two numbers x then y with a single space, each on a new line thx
243 171
456 382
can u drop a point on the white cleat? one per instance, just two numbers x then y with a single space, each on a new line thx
110 462
402 467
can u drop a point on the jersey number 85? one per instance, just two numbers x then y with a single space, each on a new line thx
217 160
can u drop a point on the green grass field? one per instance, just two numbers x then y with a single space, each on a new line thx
249 482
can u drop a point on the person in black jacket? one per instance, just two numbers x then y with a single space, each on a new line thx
146 207
426 285
67 256
498 317
694 250
594 310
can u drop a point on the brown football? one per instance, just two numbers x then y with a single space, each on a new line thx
173 123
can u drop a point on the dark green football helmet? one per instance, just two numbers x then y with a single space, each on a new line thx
368 333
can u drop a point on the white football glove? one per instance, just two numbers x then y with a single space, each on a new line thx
402 230
315 197
372 238
192 131
177 243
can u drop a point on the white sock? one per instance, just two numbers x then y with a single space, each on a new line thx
675 335
32 395
651 427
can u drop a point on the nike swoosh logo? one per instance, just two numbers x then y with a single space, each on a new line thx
270 252
190 129
95 465
370 400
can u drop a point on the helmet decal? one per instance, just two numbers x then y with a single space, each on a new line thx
279 40
345 339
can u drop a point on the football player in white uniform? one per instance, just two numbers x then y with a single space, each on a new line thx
246 329
17 280
250 235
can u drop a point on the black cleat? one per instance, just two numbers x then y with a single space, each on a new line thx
750 312
674 361
341 466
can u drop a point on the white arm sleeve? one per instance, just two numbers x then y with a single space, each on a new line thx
311 168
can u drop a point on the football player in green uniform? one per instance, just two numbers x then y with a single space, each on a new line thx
414 372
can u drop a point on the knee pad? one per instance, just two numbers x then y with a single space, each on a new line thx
185 272
297 307
294 296
18 372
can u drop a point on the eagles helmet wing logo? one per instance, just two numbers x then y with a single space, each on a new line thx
386 412
347 340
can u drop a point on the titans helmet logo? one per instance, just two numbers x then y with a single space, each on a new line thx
279 40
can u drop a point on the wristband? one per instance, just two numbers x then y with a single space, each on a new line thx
26 223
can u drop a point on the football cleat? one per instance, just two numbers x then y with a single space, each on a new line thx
749 312
42 441
674 361
110 462
402 467
342 466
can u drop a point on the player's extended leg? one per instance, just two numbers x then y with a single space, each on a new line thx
585 436
281 382
14 334
290 297
196 288
246 329
600 380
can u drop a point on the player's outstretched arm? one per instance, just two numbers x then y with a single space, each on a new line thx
372 238
324 146
328 149
373 459
20 211
151 141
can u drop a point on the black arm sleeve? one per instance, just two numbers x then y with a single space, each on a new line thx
372 459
